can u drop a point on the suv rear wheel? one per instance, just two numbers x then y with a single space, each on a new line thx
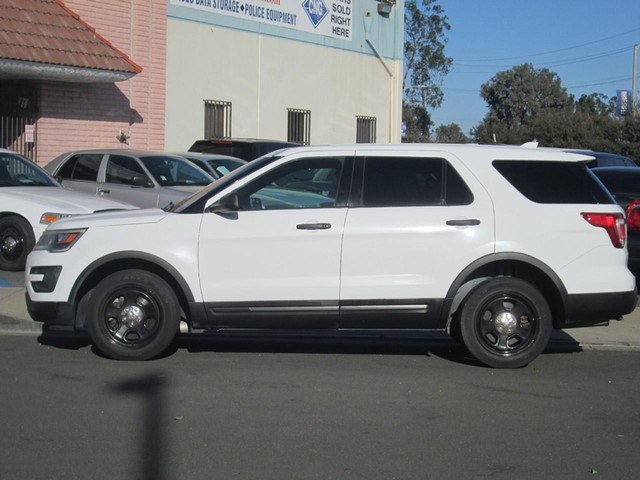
134 315
505 322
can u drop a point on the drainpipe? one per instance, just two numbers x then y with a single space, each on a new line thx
368 20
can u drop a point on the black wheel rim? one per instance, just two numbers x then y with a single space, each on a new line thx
131 316
11 244
507 324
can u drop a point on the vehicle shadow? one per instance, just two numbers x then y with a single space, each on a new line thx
432 345
438 345
64 341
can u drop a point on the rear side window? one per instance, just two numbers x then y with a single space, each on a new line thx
410 181
81 167
554 182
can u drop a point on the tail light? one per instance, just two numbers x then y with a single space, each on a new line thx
613 223
633 215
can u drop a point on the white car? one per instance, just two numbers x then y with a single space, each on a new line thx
29 201
496 245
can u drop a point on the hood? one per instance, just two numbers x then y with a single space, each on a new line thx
122 217
61 200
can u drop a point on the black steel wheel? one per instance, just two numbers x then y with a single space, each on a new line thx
505 322
16 241
134 315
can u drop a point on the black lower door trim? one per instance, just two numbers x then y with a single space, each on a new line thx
421 314
274 315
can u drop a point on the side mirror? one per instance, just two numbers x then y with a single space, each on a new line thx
228 204
140 181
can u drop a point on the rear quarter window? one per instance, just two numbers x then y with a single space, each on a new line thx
554 182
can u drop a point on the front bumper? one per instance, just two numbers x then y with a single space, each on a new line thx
60 314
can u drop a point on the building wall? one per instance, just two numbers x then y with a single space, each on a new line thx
92 115
263 70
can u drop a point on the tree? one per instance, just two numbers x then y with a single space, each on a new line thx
418 122
425 62
451 133
596 103
516 96
527 104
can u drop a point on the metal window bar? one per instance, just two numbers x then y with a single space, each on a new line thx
365 129
299 126
217 119
18 108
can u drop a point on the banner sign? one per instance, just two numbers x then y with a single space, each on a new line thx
623 102
331 18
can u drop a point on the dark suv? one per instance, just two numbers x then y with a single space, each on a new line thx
244 148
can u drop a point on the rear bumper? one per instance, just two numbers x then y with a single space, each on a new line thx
582 310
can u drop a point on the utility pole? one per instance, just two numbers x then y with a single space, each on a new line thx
634 104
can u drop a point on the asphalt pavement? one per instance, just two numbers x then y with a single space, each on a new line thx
621 334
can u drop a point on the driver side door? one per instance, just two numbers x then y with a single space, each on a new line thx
273 261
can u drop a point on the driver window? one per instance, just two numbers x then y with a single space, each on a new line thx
308 183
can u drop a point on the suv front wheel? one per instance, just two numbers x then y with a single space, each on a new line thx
134 315
505 322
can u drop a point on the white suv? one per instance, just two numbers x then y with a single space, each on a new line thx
496 245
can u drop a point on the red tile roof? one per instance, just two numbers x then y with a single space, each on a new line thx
47 32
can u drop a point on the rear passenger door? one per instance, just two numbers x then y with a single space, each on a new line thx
80 172
414 224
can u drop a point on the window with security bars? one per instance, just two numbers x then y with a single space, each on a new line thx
365 129
299 126
217 119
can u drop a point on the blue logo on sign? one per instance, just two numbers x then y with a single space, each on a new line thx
316 11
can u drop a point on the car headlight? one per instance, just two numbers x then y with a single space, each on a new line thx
50 217
59 240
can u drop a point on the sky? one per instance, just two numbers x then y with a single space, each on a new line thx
587 43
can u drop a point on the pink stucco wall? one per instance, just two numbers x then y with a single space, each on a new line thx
77 116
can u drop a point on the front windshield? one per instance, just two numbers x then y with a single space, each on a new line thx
17 171
195 203
171 171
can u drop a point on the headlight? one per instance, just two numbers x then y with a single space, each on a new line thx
50 217
58 240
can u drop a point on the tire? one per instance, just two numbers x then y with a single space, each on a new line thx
16 242
505 323
134 315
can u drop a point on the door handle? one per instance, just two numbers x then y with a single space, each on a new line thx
104 192
464 222
313 226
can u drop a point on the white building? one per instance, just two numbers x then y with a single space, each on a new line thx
311 71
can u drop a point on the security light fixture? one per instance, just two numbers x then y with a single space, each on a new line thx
384 7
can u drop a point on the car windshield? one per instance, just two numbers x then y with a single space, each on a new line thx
17 171
171 171
195 203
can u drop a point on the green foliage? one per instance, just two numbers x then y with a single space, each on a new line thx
519 94
425 61
418 122
451 133
527 104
